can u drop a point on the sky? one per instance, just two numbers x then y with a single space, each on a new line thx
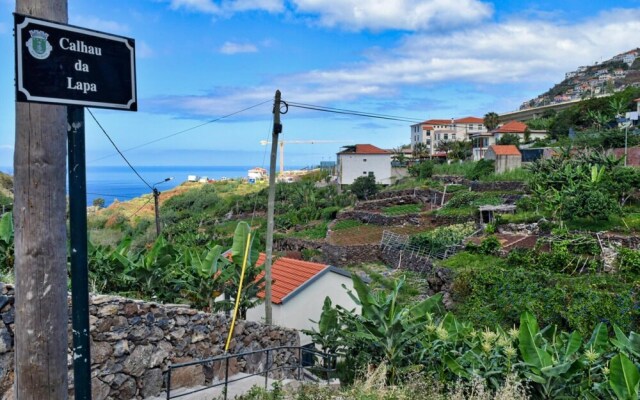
198 60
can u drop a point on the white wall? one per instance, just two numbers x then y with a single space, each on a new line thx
352 166
307 304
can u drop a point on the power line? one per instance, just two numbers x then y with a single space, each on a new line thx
186 130
118 150
351 112
141 207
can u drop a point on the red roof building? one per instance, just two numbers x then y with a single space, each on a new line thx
363 149
505 150
512 127
298 292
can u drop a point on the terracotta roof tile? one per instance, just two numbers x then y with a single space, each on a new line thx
363 149
505 150
289 275
470 120
512 127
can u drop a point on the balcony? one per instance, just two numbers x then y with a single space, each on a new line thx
478 153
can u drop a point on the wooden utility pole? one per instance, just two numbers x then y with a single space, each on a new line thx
40 238
277 129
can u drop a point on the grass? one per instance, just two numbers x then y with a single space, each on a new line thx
518 174
402 209
459 169
318 231
457 212
346 224
627 223
466 260
525 217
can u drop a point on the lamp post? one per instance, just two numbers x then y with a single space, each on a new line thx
156 199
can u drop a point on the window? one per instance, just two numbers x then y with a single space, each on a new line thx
438 136
364 159
470 126
453 136
446 136
370 173
364 172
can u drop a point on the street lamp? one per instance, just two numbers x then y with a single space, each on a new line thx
156 199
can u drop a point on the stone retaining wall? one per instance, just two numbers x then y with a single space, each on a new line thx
374 218
336 255
439 279
133 342
515 186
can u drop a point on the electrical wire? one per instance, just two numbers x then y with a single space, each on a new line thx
118 150
351 112
186 130
141 207
264 158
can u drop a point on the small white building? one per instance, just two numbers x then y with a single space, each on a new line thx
432 132
257 173
298 292
363 160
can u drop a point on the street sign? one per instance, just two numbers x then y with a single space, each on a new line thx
68 65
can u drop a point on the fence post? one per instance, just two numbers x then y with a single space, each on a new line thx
266 372
300 352
226 376
169 383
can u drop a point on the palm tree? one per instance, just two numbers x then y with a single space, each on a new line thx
491 120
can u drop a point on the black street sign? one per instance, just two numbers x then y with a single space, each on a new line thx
63 64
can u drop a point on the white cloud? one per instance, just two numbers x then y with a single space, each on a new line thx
411 15
519 52
99 24
235 48
6 147
228 7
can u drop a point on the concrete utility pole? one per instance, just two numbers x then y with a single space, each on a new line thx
277 129
40 238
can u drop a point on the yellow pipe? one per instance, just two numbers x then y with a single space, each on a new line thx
235 311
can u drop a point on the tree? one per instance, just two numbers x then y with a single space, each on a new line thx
510 138
98 202
422 170
41 342
364 187
491 120
398 155
421 151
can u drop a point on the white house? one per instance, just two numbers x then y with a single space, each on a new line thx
432 132
363 160
298 292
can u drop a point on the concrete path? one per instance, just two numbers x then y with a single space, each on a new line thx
234 389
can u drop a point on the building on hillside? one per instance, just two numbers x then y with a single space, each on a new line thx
506 157
298 292
481 142
637 101
432 132
257 173
363 160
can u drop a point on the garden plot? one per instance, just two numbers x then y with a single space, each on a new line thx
352 232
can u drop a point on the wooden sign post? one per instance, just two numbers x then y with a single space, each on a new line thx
62 64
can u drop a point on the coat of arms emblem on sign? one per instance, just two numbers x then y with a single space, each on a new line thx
38 45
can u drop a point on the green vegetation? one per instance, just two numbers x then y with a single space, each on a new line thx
416 342
364 187
439 239
346 224
402 209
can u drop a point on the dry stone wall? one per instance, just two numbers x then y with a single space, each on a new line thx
336 255
133 342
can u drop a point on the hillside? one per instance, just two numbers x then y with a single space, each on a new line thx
610 76
6 189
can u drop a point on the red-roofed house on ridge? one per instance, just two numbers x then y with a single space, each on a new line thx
482 141
363 160
298 293
434 131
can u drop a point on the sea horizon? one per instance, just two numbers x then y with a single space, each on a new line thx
121 183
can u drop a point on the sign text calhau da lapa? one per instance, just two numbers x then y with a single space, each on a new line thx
63 64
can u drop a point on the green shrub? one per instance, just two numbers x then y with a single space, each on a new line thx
489 246
422 170
329 213
364 187
628 260
481 169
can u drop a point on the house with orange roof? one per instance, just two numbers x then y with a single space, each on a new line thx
432 132
363 160
506 157
482 141
298 292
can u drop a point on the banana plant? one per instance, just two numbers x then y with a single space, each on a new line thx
551 358
205 275
624 378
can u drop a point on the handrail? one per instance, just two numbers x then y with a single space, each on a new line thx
326 357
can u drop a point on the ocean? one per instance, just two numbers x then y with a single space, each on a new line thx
119 182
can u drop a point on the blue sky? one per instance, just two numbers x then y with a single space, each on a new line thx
200 59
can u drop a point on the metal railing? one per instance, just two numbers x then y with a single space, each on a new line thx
326 369
396 241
